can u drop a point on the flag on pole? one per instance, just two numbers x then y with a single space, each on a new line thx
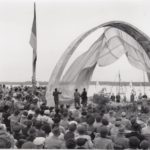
33 43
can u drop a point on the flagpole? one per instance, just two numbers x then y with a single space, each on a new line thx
33 43
33 73
144 80
119 81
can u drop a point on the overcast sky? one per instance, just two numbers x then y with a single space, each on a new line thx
59 22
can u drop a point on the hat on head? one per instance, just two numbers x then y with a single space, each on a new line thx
2 127
15 94
123 114
73 122
47 112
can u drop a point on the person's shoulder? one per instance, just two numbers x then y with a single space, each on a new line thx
47 139
145 130
108 139
97 139
104 140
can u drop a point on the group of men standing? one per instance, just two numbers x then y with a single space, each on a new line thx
115 98
77 97
132 99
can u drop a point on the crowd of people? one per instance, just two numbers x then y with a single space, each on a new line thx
26 122
122 98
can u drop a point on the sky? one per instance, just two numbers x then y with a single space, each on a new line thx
59 22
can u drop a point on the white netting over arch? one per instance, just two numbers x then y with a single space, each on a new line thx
111 45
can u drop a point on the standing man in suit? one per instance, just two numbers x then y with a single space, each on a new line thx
56 94
84 97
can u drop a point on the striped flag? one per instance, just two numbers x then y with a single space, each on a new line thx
33 43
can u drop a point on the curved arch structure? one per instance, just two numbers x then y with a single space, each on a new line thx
117 39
